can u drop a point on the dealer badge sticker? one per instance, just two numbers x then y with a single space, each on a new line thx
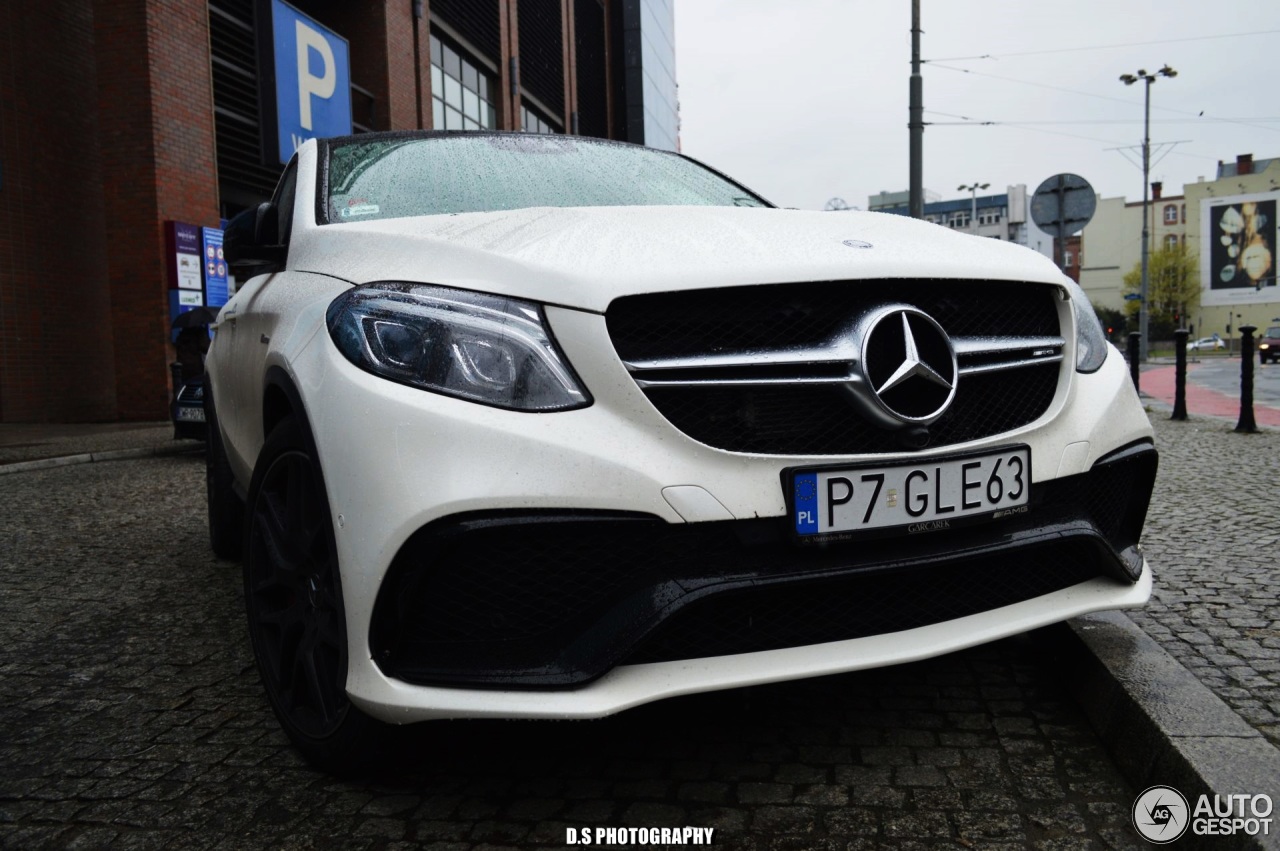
1160 814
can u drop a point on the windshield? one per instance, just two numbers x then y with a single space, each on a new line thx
394 177
1273 331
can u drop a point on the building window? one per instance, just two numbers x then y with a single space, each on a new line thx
532 121
461 93
1068 259
1184 214
990 216
1171 240
958 220
1171 214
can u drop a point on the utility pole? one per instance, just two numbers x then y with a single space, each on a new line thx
916 125
1144 312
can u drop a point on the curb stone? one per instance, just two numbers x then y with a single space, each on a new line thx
92 457
1164 727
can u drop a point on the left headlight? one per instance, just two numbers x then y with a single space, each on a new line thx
1091 342
485 348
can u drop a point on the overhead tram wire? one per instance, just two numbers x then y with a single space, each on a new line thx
1097 47
973 122
1203 120
1095 96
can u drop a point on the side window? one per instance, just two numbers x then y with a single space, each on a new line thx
284 201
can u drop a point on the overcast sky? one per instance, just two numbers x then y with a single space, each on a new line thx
804 100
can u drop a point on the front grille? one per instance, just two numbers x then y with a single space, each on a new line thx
555 599
681 348
817 420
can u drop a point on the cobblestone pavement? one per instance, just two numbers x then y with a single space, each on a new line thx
131 717
1215 606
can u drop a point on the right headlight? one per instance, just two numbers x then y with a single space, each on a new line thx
1091 342
485 348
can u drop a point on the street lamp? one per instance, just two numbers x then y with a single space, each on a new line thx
1129 80
973 190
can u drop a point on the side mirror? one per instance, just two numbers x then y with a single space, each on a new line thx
250 241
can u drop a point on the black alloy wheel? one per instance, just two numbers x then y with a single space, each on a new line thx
293 598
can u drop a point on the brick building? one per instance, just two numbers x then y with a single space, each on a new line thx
117 116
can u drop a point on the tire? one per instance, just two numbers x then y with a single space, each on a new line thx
225 509
293 600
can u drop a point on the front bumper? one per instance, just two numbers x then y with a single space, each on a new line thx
629 686
397 461
556 599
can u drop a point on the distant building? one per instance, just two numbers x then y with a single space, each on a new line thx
1001 216
649 57
1230 224
1233 224
1073 257
1113 239
884 201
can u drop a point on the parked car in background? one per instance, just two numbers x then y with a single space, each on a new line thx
550 427
1214 342
187 372
1269 345
187 408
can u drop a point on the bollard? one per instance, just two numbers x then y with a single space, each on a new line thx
1247 424
1180 374
1135 342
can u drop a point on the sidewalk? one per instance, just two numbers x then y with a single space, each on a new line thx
32 446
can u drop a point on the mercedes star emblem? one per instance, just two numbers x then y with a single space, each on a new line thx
910 365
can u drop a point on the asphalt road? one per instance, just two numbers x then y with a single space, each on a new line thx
131 717
1223 374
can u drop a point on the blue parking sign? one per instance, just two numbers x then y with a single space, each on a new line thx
311 80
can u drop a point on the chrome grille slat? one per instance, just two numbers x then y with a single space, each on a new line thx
996 354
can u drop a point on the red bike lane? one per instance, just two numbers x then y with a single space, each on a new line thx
1158 383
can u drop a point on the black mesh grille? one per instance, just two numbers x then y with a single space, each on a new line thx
555 599
542 53
815 612
820 420
797 420
774 316
474 20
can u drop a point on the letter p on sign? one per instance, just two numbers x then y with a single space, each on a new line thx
310 86
308 83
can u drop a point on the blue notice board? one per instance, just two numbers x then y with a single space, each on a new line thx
312 71
215 267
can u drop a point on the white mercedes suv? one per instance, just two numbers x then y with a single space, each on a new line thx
510 425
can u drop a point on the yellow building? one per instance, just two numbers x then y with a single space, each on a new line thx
1232 226
1111 245
1229 224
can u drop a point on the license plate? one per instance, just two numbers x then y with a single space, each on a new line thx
195 415
921 496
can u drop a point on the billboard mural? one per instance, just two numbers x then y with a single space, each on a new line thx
1238 235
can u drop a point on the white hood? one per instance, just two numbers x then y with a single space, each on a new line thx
585 257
